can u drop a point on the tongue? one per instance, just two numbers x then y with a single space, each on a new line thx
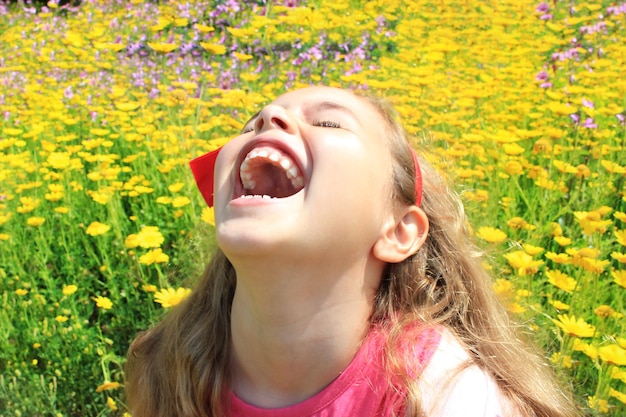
269 171
269 179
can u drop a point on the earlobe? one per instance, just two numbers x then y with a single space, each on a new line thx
402 236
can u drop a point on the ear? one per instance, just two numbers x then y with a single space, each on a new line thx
402 236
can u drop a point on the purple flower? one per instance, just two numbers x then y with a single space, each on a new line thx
542 76
543 7
68 93
589 123
621 118
575 118
588 103
621 9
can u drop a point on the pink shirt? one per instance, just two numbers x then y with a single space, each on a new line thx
362 389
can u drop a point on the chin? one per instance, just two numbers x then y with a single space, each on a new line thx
250 239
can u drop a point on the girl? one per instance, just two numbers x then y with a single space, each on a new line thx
345 284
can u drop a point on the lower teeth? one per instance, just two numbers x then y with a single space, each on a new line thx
265 196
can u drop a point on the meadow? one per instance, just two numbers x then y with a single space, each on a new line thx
102 105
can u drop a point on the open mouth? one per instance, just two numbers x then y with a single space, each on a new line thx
267 172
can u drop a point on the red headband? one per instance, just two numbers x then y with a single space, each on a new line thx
203 168
418 179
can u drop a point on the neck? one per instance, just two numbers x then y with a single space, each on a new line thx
295 329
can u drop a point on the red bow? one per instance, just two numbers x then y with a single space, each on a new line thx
203 168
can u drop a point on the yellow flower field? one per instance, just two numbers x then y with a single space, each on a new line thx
102 105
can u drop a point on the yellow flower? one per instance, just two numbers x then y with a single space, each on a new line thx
606 311
612 354
4 218
170 297
163 48
491 234
504 288
562 240
559 305
594 265
513 168
512 149
598 404
97 229
59 160
149 288
561 109
97 131
164 200
589 350
519 223
620 235
619 374
154 256
35 221
69 289
181 21
203 28
532 250
617 394
213 48
559 359
243 57
150 237
561 280
111 404
556 229
574 327
176 187
613 167
564 167
619 257
515 308
131 241
591 222
21 291
208 215
127 105
180 202
523 263
61 319
103 302
108 386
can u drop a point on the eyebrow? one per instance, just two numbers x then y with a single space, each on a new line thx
331 105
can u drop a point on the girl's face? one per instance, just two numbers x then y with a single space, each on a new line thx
310 172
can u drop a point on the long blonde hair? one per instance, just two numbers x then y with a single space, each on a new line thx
446 283
180 367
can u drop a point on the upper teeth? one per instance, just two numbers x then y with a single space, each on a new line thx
274 155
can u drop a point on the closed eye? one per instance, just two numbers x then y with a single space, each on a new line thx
249 127
327 123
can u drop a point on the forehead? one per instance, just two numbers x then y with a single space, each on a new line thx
310 97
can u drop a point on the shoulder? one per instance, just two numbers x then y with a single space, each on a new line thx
452 385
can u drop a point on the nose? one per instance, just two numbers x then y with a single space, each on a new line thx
274 117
